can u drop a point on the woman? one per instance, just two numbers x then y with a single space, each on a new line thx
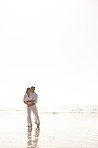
29 100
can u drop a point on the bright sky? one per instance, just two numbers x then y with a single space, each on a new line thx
52 45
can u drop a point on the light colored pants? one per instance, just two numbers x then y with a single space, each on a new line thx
35 112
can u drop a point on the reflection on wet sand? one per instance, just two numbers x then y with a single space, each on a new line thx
32 137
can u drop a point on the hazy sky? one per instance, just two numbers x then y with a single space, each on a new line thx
52 45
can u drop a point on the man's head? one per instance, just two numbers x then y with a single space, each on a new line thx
33 89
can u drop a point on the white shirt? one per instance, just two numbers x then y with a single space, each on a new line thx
30 98
35 97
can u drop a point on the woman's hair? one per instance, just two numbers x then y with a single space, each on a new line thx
27 89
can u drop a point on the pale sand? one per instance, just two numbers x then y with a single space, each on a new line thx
56 131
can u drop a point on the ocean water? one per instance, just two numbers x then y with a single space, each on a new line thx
92 109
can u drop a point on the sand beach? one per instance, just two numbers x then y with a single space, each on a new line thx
57 130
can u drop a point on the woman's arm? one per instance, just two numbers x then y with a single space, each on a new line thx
30 101
24 100
31 104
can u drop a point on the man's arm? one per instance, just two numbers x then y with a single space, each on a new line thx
31 104
30 101
36 98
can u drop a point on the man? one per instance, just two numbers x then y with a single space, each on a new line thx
34 109
30 99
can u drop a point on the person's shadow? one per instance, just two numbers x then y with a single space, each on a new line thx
32 137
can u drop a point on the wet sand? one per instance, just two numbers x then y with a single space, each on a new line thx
69 130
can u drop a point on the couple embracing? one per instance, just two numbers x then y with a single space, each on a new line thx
30 99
